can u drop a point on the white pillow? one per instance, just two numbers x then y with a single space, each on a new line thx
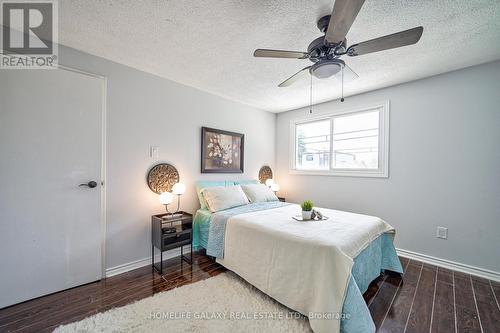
224 197
259 193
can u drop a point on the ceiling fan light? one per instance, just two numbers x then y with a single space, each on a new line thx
323 70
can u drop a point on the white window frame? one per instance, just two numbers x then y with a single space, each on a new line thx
383 144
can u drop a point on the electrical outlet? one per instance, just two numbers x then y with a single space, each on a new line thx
442 232
154 152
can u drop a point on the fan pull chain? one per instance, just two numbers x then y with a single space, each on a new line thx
311 96
342 97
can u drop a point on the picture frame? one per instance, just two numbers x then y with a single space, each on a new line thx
222 151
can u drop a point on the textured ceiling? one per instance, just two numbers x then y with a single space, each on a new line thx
209 44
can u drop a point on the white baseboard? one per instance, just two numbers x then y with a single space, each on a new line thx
142 262
455 266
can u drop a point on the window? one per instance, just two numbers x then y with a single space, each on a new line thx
348 143
355 141
313 145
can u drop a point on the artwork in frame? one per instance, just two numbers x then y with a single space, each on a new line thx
221 151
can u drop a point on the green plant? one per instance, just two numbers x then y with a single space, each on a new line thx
307 206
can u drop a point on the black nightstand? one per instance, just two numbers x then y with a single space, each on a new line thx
169 232
282 199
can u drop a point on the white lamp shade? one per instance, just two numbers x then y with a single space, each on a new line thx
269 182
179 188
166 198
275 187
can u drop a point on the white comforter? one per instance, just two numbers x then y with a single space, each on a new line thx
304 265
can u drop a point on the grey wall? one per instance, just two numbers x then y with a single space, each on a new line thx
145 110
444 167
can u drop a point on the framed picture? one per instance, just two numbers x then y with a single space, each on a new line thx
221 151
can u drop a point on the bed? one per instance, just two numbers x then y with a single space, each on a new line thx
320 269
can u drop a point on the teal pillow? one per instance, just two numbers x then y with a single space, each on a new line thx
246 182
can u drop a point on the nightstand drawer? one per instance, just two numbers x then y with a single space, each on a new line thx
170 231
169 239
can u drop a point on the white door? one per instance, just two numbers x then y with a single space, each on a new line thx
50 142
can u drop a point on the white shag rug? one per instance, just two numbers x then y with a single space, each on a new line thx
224 303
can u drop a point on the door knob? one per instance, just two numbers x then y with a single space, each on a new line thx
90 184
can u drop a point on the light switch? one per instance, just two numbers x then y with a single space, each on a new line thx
154 152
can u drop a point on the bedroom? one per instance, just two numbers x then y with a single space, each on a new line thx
132 100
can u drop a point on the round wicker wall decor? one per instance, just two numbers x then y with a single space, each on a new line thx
162 177
265 173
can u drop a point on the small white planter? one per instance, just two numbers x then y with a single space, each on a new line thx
306 215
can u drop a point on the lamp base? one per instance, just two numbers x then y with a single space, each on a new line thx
168 212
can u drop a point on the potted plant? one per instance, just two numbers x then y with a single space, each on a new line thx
307 207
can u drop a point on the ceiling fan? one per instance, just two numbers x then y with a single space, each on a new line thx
325 51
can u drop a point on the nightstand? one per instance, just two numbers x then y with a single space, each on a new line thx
282 199
170 231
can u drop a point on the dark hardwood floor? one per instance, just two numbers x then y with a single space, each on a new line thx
427 299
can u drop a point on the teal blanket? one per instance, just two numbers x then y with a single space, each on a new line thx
379 256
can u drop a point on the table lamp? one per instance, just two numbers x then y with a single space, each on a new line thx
178 189
269 182
275 188
166 199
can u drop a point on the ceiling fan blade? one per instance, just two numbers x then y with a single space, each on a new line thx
343 15
295 77
280 54
349 74
402 38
